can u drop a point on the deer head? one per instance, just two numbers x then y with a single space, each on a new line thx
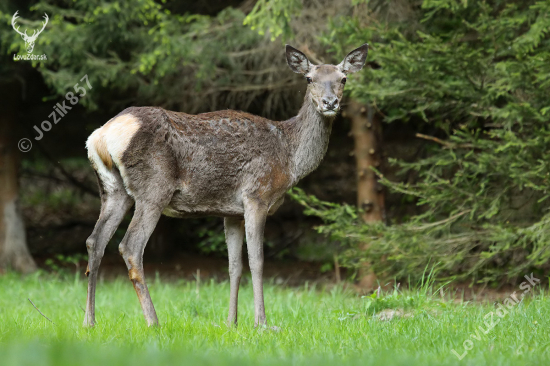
29 40
326 82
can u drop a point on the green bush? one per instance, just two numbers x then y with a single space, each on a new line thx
475 74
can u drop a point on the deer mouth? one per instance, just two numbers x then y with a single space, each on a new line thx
329 112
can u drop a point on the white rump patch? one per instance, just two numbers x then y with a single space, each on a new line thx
107 144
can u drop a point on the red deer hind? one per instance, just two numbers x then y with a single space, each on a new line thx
226 163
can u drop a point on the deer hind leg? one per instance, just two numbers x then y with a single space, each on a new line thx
255 216
146 216
114 206
234 237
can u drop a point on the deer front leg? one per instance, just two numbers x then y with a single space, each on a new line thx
255 216
113 210
234 237
131 248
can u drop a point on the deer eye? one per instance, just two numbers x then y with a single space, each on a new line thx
309 81
344 81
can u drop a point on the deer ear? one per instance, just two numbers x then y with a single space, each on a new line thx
297 61
355 60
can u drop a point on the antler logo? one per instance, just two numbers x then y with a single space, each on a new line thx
29 40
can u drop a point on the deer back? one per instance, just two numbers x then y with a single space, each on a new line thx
209 161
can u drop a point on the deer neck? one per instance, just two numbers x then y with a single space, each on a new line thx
309 134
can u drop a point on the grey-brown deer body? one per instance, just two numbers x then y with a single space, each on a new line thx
226 163
213 160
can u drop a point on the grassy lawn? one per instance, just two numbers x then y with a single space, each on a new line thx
318 327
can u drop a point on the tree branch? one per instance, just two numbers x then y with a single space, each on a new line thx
40 311
448 145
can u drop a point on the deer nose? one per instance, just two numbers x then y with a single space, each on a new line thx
330 103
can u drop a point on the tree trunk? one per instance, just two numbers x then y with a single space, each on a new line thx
367 134
14 253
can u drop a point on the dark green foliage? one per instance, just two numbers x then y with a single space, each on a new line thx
477 74
273 17
212 238
138 52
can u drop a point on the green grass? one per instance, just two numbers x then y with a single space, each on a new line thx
319 326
